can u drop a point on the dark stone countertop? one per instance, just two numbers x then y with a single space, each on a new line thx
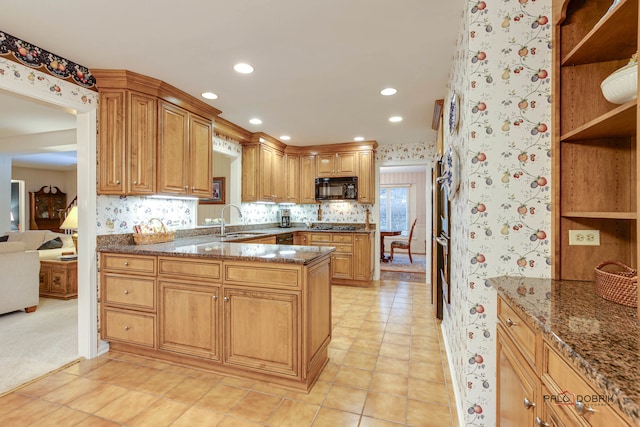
599 337
211 246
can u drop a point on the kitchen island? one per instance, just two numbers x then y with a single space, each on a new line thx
568 354
257 311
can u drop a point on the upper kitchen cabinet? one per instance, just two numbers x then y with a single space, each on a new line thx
263 166
337 164
366 177
595 162
307 178
143 123
292 175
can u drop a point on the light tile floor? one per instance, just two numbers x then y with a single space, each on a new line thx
387 368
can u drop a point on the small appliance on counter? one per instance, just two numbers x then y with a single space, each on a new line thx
284 218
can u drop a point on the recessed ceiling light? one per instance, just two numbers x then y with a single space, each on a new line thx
285 137
388 91
255 121
358 138
395 119
243 68
209 95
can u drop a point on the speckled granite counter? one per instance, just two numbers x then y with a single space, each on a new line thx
210 246
599 337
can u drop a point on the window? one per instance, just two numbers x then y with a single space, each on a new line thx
394 208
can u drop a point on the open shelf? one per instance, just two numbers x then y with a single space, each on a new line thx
617 123
602 215
613 37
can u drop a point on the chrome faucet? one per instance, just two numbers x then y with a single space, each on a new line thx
222 216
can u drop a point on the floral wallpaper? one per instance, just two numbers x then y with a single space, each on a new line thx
501 213
418 151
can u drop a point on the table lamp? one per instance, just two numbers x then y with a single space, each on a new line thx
71 223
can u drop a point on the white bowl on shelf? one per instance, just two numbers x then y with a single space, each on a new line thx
622 85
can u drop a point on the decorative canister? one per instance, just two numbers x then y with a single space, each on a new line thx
622 85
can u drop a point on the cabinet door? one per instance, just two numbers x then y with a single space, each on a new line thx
111 142
266 172
362 257
44 278
250 179
318 311
342 266
200 169
261 330
59 281
516 386
173 149
141 146
189 319
366 187
278 176
301 238
325 165
308 179
346 164
292 178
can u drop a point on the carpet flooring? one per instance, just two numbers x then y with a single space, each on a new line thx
401 263
34 344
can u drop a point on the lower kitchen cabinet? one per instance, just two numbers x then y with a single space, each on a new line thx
268 321
189 319
261 330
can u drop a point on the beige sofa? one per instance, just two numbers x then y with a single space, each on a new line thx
32 240
19 278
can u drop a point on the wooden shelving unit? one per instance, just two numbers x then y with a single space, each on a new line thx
595 162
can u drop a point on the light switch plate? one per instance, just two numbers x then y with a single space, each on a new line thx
584 237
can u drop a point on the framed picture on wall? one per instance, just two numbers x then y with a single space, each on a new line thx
217 193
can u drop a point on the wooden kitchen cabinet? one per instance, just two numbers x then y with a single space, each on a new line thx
185 153
268 321
263 174
308 179
152 137
292 178
352 261
337 164
595 161
363 257
127 142
366 177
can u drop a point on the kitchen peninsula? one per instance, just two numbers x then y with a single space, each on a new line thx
258 311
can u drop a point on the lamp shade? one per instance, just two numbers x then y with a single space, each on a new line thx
71 221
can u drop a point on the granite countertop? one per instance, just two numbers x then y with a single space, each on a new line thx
599 337
211 246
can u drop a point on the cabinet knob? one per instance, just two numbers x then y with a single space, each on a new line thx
118 181
511 323
135 182
528 404
126 263
582 409
186 187
226 299
126 292
215 297
541 423
126 328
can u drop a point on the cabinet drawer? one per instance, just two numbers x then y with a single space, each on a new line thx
129 292
190 268
518 330
345 249
122 263
132 328
252 275
342 237
319 237
571 391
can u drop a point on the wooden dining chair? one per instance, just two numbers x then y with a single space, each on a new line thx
401 244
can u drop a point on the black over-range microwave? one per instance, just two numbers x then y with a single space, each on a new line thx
345 188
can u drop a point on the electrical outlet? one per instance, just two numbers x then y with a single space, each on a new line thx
584 237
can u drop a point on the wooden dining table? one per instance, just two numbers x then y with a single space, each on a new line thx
384 234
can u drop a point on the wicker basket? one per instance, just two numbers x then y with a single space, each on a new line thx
161 236
618 286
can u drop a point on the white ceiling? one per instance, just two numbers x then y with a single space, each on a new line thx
319 64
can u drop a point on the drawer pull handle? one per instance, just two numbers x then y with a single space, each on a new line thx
126 263
511 323
541 423
528 404
226 299
582 409
126 328
215 297
126 292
